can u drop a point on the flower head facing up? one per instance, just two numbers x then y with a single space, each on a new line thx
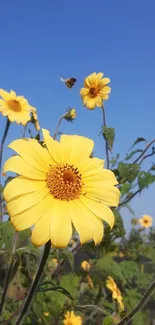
59 186
95 90
85 266
16 108
146 221
72 319
116 294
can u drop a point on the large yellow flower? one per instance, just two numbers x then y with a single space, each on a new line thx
72 319
146 221
95 90
16 108
116 294
58 186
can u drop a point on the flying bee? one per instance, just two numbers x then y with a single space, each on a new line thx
69 82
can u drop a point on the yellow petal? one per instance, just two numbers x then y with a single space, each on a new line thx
90 103
99 101
75 148
99 209
84 91
99 231
99 76
21 185
30 216
25 202
52 146
104 175
42 152
90 80
108 194
60 226
104 82
4 94
90 165
17 165
26 151
41 231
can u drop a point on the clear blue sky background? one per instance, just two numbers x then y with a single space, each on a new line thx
42 39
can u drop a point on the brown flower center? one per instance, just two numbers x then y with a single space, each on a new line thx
64 182
14 105
93 92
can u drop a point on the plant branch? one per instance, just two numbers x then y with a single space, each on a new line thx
129 198
57 128
9 273
106 142
146 148
140 305
34 284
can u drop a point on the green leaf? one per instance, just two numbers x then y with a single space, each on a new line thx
129 208
1 188
57 289
145 179
6 235
137 141
108 320
125 188
133 153
109 135
128 171
153 167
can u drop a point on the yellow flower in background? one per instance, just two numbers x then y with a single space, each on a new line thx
58 186
72 319
46 314
54 262
15 108
95 90
116 294
146 221
85 266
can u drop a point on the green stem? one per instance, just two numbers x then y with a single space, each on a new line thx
57 128
34 284
143 301
9 273
106 142
1 156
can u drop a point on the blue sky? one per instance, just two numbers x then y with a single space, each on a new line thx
42 39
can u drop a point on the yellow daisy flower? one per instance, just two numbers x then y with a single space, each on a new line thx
95 90
58 186
16 108
85 265
46 314
72 319
116 294
146 221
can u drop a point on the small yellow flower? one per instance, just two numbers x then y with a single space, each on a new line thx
95 90
146 221
116 294
54 262
46 314
72 319
58 186
70 114
85 266
16 108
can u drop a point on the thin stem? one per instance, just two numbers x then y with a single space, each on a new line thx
106 142
141 304
128 199
57 128
146 148
24 132
34 284
9 273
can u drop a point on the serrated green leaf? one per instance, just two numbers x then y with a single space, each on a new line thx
137 141
133 153
109 135
108 320
145 179
128 171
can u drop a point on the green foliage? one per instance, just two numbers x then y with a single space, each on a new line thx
108 320
109 135
145 179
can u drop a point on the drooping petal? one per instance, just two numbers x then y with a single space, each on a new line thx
30 216
24 202
60 226
53 146
18 165
21 185
99 209
26 151
75 148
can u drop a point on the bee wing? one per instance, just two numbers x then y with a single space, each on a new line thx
62 79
